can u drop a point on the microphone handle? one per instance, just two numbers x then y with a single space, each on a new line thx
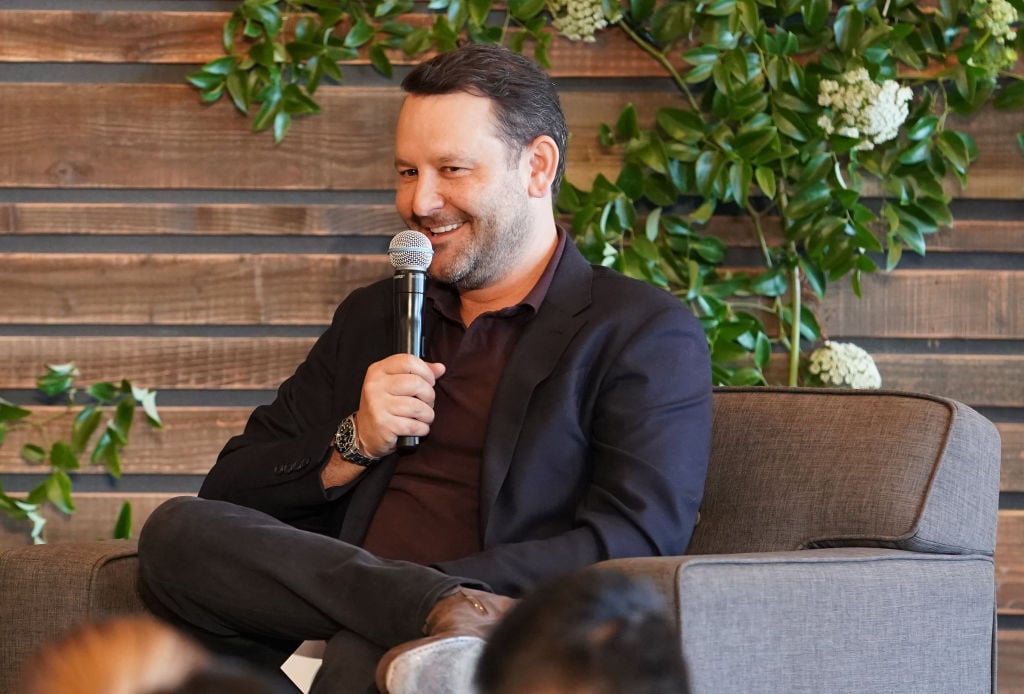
408 286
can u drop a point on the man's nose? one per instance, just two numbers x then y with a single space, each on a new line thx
426 198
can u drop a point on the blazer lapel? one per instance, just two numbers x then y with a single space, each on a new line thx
539 348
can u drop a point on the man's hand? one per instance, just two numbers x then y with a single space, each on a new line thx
397 400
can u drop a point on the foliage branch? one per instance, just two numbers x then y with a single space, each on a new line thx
101 445
831 117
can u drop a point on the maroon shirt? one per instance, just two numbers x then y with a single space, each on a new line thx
431 509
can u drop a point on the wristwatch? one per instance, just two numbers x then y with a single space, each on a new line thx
347 443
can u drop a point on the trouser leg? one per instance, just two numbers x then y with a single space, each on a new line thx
349 666
236 576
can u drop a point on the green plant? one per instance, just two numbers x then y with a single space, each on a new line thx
63 456
825 125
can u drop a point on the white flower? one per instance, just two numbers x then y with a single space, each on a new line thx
843 364
864 109
996 16
578 20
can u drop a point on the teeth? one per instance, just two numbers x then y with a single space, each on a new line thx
445 229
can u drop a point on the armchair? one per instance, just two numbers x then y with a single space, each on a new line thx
844 544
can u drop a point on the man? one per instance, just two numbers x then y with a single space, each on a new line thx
563 410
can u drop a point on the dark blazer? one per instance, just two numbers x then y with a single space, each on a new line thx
596 446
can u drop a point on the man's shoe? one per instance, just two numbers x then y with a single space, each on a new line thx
445 660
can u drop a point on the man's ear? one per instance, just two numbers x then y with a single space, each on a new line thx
542 159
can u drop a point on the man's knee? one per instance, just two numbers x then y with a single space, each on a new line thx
166 533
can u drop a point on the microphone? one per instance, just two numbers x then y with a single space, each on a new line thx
410 253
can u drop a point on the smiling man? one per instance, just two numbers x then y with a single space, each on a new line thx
563 412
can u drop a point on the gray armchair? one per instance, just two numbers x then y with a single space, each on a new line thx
845 545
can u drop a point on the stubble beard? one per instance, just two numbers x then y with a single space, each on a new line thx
492 247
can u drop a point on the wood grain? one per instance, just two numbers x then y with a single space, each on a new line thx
188 443
93 519
1010 562
158 136
933 304
356 219
195 37
115 289
228 363
210 219
1012 473
1011 662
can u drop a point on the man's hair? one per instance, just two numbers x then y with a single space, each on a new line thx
526 103
594 631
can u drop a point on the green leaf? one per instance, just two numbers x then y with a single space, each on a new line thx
104 392
849 24
124 415
10 412
106 453
360 33
33 453
815 276
770 283
808 200
1011 96
478 11
58 379
765 178
84 427
62 457
815 13
627 126
640 10
123 526
58 491
525 9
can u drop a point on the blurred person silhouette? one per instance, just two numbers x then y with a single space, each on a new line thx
134 654
591 632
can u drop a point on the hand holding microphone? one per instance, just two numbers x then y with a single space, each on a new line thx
410 253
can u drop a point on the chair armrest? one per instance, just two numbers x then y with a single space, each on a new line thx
835 620
47 589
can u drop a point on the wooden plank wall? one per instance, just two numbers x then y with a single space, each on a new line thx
146 236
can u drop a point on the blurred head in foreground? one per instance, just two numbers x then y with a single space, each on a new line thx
593 632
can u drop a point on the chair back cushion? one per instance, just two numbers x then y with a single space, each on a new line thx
798 468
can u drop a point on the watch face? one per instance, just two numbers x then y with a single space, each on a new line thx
345 442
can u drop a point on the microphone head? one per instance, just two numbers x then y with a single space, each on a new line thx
410 250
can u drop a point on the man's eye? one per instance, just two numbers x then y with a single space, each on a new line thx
407 173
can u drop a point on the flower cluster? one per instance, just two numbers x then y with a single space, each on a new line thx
842 364
862 109
996 17
578 20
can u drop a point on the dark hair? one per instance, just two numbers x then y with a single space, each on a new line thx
526 103
597 629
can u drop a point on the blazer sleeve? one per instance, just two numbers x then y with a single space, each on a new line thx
627 436
274 465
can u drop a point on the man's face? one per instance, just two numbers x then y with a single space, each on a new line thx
458 185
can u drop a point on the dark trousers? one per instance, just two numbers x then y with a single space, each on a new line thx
247 585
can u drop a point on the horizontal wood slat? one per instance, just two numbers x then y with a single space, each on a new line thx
1012 478
303 289
214 219
228 363
979 304
1010 562
979 380
266 289
195 37
158 136
1011 662
968 235
93 519
188 443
